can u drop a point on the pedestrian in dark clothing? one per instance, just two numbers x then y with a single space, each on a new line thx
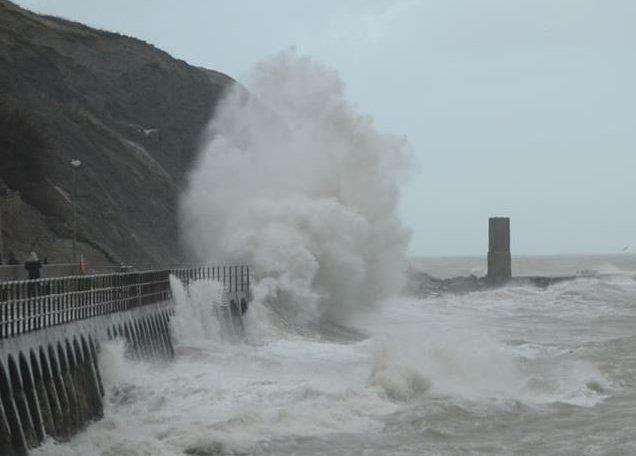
33 266
12 259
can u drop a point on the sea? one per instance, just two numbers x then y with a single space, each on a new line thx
516 370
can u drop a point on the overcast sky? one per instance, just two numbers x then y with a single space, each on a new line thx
520 108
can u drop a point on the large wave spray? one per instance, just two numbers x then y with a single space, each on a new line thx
296 183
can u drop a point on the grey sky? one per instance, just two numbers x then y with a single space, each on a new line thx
514 107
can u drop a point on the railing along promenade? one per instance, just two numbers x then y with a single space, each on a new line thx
50 380
30 305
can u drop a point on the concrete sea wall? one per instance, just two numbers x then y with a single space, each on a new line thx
50 336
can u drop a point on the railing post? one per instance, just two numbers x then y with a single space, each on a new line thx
12 293
4 317
139 290
26 309
38 304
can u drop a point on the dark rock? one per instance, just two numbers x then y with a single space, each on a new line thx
422 285
130 112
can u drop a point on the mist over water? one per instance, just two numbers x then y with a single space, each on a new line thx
296 183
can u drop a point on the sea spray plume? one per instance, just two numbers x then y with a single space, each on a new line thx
296 183
196 319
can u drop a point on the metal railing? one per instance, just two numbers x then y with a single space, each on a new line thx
30 305
235 278
15 272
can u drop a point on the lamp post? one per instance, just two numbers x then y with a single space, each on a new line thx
75 164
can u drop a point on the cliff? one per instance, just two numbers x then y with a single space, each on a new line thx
129 111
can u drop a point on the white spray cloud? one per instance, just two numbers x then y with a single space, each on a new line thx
196 320
296 183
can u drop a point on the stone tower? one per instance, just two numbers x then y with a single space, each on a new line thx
499 262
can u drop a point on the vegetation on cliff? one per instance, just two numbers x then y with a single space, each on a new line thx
129 111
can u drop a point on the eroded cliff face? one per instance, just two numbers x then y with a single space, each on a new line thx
130 112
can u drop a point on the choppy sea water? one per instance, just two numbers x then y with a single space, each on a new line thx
512 371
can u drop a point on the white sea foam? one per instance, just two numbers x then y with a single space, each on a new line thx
296 183
425 348
196 321
451 356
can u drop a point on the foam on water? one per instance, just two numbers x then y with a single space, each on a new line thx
279 386
424 346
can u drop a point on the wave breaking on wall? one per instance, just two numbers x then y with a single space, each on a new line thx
293 181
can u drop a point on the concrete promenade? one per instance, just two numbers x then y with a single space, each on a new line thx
50 335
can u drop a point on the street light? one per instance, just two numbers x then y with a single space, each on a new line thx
75 164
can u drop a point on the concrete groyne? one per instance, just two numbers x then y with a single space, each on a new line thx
50 336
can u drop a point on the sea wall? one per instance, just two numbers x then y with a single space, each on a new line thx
50 337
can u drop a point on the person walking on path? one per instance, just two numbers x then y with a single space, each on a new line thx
12 260
33 266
